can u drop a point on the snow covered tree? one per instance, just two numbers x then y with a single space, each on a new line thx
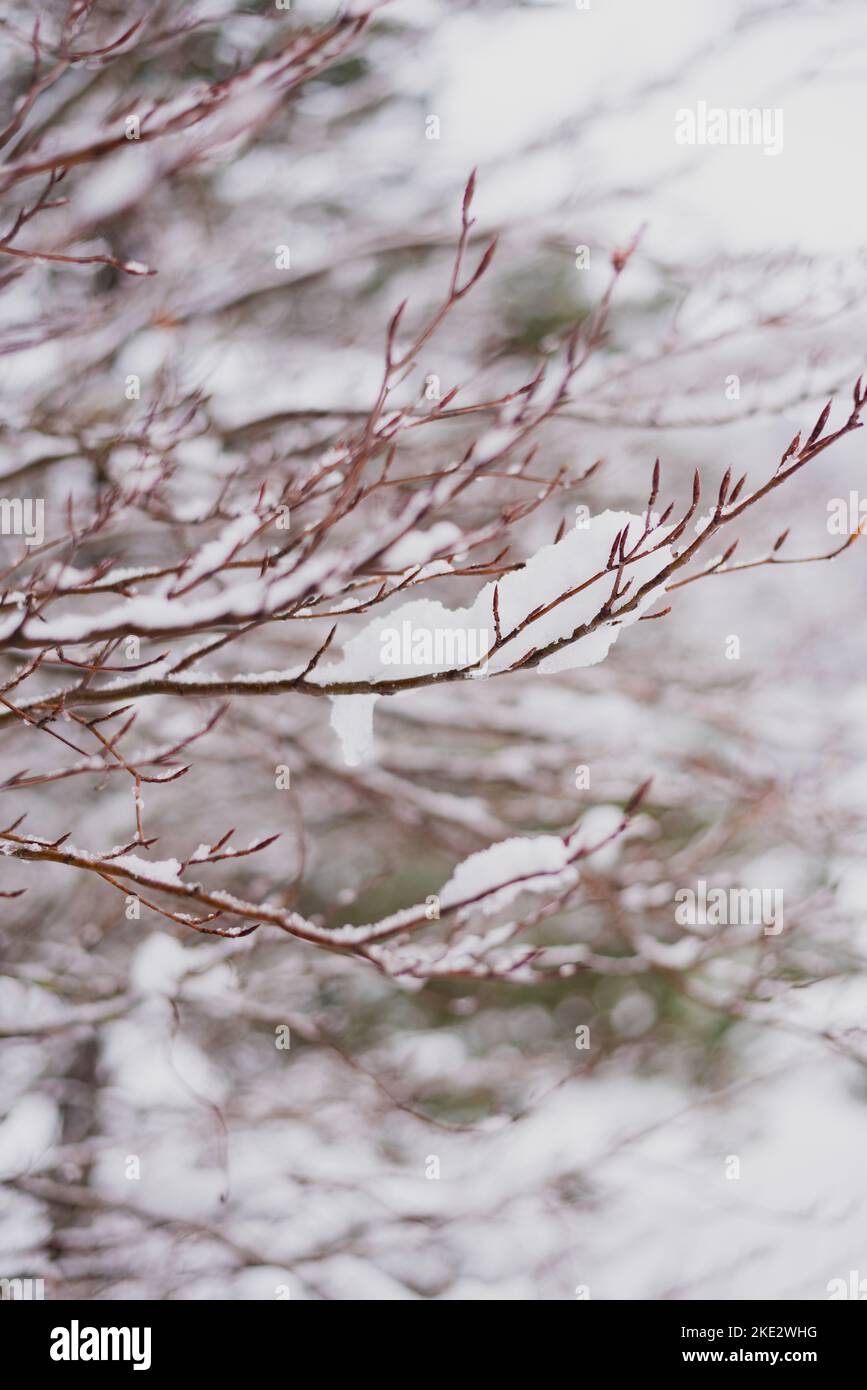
350 844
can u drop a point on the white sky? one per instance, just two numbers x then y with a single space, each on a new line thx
499 81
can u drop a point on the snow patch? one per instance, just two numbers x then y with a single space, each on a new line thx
540 865
569 566
352 721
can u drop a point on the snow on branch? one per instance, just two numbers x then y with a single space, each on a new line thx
485 883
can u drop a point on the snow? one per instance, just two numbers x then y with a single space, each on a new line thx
121 179
352 722
165 871
493 443
417 547
541 864
153 1069
158 613
597 824
27 1131
633 1014
158 965
215 554
306 1168
553 571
